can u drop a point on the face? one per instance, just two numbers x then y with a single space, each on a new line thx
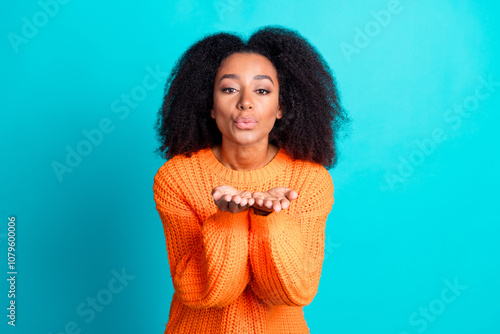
246 103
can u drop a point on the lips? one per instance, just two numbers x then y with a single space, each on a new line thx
245 123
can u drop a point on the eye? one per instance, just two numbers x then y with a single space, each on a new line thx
262 91
228 90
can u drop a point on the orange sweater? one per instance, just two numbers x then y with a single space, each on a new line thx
241 273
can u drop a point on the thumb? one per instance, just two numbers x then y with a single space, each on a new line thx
291 194
216 193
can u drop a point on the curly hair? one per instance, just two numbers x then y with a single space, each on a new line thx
312 113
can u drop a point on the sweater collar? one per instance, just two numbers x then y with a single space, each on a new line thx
269 171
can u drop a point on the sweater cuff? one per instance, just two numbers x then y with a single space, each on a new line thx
234 221
267 225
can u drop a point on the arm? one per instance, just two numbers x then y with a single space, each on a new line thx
208 259
286 248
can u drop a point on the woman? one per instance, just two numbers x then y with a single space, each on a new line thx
249 128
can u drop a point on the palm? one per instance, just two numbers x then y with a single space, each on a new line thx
230 199
275 199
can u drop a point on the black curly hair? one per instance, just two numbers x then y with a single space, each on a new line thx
312 113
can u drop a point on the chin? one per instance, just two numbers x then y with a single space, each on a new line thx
246 142
246 138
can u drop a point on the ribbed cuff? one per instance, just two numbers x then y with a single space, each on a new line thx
270 224
235 221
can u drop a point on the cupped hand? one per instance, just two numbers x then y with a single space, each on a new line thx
275 199
232 200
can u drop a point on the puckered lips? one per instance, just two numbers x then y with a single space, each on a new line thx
245 123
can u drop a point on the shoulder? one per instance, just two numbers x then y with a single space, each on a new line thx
176 172
318 176
314 185
180 165
307 170
311 179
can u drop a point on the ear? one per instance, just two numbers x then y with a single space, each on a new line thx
279 114
212 113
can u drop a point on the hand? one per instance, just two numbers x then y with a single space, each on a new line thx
276 199
229 199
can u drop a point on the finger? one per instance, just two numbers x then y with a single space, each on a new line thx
216 194
269 204
236 199
284 203
233 207
251 201
224 202
246 194
258 200
218 203
257 194
221 204
292 195
277 206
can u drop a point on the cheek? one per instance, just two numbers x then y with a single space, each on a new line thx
221 115
222 120
220 107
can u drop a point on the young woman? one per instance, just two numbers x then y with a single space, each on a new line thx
248 128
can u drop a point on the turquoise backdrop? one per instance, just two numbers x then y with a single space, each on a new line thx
412 240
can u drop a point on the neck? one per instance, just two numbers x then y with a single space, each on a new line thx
244 158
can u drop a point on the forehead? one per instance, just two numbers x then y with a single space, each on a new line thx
251 63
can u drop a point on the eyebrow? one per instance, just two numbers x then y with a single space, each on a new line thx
256 77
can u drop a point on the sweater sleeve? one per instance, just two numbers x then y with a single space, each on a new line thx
208 259
286 249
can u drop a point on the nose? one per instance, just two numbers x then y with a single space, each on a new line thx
245 102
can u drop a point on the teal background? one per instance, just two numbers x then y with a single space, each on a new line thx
414 211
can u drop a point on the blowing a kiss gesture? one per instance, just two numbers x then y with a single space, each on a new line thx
230 199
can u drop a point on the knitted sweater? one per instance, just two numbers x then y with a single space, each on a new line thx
241 273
